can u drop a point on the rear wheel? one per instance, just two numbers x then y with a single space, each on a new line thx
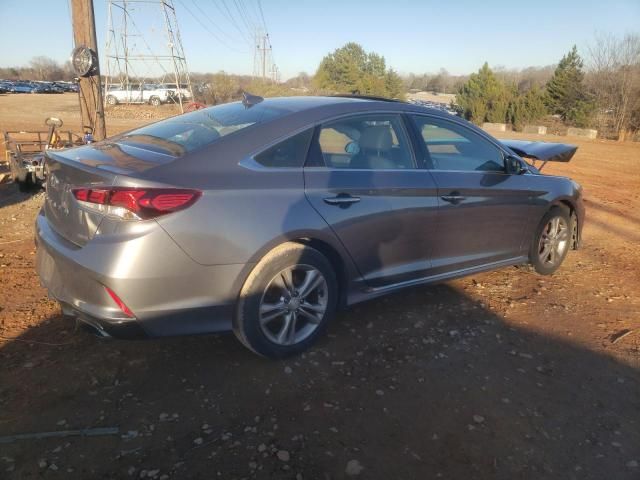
111 100
552 241
286 302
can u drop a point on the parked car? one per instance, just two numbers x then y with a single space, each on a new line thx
138 93
53 88
23 87
47 87
67 86
264 217
438 106
182 91
35 88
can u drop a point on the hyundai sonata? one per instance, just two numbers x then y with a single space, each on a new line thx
265 216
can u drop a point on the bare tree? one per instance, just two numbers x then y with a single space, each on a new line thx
45 68
302 81
614 78
221 88
441 82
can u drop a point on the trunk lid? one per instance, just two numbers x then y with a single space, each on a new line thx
544 151
92 165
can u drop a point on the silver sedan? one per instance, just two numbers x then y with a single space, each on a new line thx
265 216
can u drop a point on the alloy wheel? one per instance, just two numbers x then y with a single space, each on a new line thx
554 241
293 304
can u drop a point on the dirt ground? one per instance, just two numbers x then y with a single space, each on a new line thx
502 375
28 112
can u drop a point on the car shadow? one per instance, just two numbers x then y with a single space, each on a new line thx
10 194
609 210
426 383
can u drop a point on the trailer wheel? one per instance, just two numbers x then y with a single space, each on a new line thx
25 184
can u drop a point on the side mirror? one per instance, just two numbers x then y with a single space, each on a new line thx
515 166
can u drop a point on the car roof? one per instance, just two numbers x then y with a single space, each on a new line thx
363 104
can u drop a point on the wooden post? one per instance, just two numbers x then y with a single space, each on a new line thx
84 33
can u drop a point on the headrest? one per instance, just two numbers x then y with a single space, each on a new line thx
376 138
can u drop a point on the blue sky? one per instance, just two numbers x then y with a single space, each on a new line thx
414 36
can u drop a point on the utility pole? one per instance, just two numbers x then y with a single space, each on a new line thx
84 33
263 55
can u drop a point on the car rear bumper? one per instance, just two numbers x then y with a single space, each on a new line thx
124 329
168 293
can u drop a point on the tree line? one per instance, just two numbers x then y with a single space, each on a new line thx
487 98
602 92
39 68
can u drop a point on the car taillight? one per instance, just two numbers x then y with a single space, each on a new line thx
136 203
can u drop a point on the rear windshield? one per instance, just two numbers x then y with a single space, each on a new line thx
185 133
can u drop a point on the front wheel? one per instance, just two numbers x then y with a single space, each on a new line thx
155 101
286 302
552 241
111 100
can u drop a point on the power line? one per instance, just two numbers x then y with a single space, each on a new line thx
213 34
243 17
252 16
246 35
264 23
213 23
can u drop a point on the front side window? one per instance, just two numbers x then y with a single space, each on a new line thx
288 153
370 142
453 147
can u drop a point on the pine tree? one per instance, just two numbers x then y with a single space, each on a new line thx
566 93
352 70
484 97
394 85
527 107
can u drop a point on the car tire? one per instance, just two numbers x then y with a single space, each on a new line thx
155 101
111 100
551 241
304 314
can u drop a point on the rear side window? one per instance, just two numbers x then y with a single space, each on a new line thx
365 142
184 133
453 147
288 153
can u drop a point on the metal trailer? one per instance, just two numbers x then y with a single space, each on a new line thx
24 151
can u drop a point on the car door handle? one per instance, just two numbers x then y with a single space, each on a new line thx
342 200
453 197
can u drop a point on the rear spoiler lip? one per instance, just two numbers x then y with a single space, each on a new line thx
544 151
109 156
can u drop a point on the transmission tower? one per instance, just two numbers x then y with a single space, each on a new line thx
144 46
